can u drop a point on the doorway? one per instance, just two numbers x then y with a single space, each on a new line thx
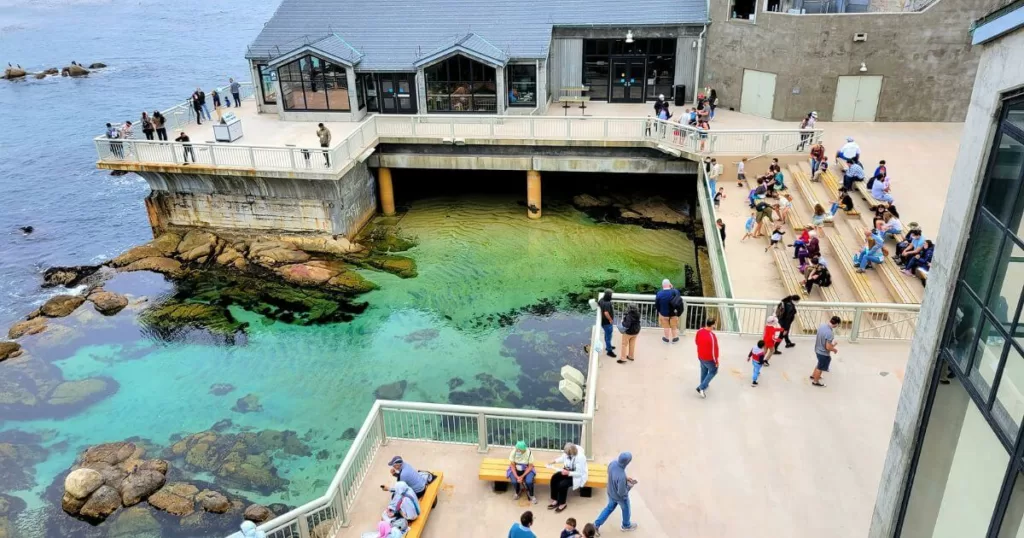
758 93
628 80
857 98
397 93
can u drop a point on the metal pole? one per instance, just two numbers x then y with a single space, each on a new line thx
588 437
481 433
858 313
303 522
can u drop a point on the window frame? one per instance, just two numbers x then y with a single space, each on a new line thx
314 79
462 65
509 71
263 71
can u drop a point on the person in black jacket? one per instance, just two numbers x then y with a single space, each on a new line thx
786 312
630 329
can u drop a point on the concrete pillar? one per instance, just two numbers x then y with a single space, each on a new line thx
387 191
533 194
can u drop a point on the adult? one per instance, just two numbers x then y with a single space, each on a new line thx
870 253
249 530
786 312
912 245
716 172
922 260
807 130
849 152
707 355
817 156
891 225
880 189
147 125
126 131
236 91
824 347
712 103
619 485
573 475
116 148
324 134
404 472
403 505
160 122
202 103
197 106
630 330
668 302
817 274
522 529
854 172
521 471
186 148
607 321
659 103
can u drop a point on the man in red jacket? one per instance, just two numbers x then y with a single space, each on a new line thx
707 352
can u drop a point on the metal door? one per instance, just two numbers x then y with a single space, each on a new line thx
397 93
628 80
857 98
758 95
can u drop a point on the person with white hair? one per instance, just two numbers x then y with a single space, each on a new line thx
849 152
573 475
659 104
669 304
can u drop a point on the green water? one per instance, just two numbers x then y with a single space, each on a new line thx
481 263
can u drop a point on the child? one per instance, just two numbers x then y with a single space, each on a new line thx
749 225
771 338
570 529
818 220
721 230
822 169
777 234
844 202
719 195
741 168
805 237
589 530
756 356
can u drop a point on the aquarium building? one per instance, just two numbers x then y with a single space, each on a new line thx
334 60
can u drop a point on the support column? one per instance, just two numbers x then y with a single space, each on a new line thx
387 191
533 194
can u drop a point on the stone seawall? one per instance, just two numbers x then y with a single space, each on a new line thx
335 207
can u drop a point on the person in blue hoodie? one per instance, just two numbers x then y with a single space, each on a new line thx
522 529
618 493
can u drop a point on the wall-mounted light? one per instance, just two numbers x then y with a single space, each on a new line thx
863 67
629 36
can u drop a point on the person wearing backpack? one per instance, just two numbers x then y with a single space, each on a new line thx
630 329
669 304
786 312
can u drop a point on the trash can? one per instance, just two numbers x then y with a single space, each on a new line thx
680 94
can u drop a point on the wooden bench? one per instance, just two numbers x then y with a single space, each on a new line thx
922 273
859 281
803 184
892 276
427 504
494 470
865 193
832 186
574 95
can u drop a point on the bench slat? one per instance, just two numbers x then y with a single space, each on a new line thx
832 186
804 186
892 277
493 470
426 506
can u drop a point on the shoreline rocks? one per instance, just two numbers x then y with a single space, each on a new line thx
61 306
646 211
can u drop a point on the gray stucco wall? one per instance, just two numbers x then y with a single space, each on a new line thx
1000 70
565 65
925 57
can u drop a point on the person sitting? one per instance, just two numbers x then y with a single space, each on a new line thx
911 245
818 219
818 275
785 206
821 171
801 241
520 471
922 260
780 179
845 202
812 251
403 472
854 172
849 153
891 226
870 253
880 188
404 505
573 475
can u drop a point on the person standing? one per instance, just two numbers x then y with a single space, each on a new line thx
116 148
712 103
713 174
771 338
522 529
659 103
607 322
630 330
721 230
198 107
807 130
324 134
236 91
756 357
160 122
707 353
665 302
824 347
187 152
786 312
817 156
619 486
741 171
147 126
202 103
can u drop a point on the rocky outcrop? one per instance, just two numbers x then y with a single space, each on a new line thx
135 522
337 246
274 253
35 325
11 73
250 403
135 254
103 502
176 498
68 276
97 65
648 211
257 513
61 306
52 71
140 484
239 460
213 501
9 350
396 265
166 266
106 302
81 483
74 71
307 274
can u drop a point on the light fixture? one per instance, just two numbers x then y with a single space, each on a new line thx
629 36
863 67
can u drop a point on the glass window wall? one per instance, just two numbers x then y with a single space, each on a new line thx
522 85
268 84
459 84
312 83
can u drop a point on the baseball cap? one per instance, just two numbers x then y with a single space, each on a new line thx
395 460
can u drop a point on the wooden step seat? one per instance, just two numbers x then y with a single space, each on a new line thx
865 193
859 281
803 184
494 470
892 276
832 184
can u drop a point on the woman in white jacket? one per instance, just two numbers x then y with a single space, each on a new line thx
573 474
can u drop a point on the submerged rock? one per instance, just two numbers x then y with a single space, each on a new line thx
391 391
135 522
220 389
213 501
351 282
396 265
61 306
106 302
170 319
78 392
97 65
9 350
258 513
250 403
35 325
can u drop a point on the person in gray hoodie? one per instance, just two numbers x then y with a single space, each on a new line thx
619 486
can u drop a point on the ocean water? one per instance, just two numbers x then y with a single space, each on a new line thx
487 320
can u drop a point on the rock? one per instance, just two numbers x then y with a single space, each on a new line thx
137 486
160 466
212 501
106 302
229 256
396 265
166 266
38 76
70 504
76 392
351 282
658 211
111 453
11 73
27 327
81 483
9 350
135 254
586 200
166 243
11 506
391 391
168 499
257 513
197 239
222 425
134 522
67 276
52 71
61 305
168 320
97 65
322 244
74 71
348 435
103 502
250 403
112 475
306 274
220 389
273 253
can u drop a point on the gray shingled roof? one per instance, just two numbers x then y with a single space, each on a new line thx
331 47
471 44
395 35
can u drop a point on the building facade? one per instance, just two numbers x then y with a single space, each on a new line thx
336 61
955 465
781 59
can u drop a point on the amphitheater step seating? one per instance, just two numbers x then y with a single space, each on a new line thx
892 277
803 184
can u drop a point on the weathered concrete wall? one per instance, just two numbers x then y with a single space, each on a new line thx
337 207
925 57
1001 70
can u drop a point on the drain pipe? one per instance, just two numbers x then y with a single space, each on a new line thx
700 54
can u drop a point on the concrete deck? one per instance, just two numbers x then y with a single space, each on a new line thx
783 459
268 129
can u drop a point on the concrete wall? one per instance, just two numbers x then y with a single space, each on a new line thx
1000 70
925 57
338 207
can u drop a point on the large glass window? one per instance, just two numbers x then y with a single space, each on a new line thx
658 56
370 87
459 84
522 84
312 83
268 84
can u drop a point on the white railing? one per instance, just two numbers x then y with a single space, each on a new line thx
869 321
713 238
182 114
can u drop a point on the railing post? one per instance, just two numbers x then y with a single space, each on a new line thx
858 313
605 137
291 155
213 156
252 156
764 143
532 131
568 129
303 526
588 436
339 507
769 311
481 433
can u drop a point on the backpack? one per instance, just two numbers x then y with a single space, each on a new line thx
632 323
677 304
825 278
780 309
871 181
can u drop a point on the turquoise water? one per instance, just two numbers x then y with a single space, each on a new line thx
491 299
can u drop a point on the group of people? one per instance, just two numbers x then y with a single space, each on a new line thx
669 304
198 100
570 472
696 118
